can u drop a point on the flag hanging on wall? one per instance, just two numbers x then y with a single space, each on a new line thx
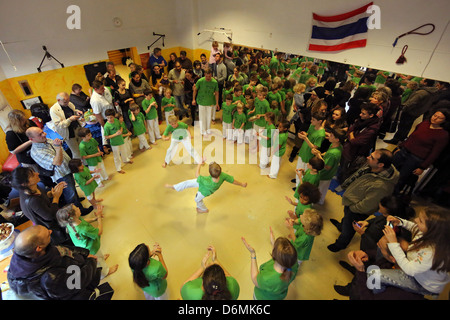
340 32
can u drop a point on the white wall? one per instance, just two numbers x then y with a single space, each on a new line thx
286 26
27 25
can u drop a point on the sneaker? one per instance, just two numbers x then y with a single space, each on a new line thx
392 141
294 180
342 290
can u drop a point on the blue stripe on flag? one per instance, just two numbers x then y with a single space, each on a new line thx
341 32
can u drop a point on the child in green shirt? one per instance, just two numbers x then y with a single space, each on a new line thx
84 235
85 180
150 107
180 134
302 238
210 282
206 185
227 117
266 140
126 134
308 194
273 278
113 132
168 104
311 174
90 152
137 119
148 273
239 121
279 143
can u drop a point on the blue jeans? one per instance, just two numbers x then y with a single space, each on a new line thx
399 279
70 191
347 231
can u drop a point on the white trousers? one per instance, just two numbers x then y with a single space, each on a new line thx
205 116
153 130
227 130
173 148
143 143
323 188
264 156
238 135
164 296
275 166
192 184
120 155
167 114
300 165
129 146
103 174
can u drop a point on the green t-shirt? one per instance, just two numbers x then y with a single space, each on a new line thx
89 148
274 97
152 114
207 186
110 129
124 128
380 79
305 77
178 133
89 238
138 123
206 92
227 111
268 132
248 124
165 101
303 243
239 119
155 273
293 64
261 107
270 286
192 290
82 177
280 140
300 208
331 159
316 137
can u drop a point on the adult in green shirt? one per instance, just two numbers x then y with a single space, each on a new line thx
211 281
206 96
273 278
149 274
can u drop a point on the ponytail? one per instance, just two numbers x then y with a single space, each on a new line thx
285 254
138 260
215 284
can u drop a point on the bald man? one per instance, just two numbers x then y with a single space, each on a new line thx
40 270
65 117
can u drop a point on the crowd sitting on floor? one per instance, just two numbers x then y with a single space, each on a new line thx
334 113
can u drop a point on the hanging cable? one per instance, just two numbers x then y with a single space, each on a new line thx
414 32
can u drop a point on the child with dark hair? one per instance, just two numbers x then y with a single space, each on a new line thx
90 152
308 194
311 174
211 281
148 273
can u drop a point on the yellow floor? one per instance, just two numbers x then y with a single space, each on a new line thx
139 209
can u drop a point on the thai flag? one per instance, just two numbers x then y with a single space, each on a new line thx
340 32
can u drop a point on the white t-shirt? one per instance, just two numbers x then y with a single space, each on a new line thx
101 103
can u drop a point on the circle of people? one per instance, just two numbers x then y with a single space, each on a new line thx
338 114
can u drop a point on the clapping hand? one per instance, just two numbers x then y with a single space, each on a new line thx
249 248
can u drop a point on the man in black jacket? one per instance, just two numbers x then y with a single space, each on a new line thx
41 271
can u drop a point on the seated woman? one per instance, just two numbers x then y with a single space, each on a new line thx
39 205
211 281
421 148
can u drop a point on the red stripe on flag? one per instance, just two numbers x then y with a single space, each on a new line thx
339 47
343 16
